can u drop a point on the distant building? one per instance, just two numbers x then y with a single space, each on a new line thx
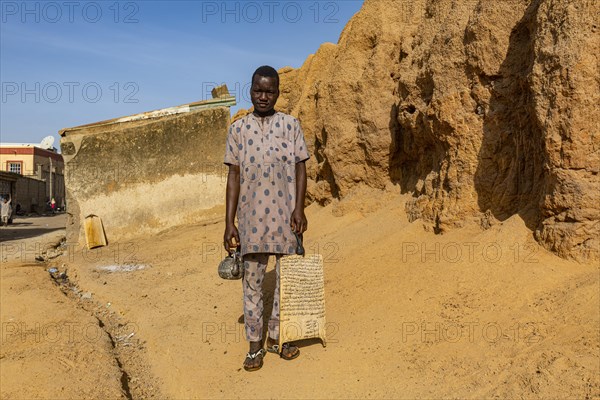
35 162
27 194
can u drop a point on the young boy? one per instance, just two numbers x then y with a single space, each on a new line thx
266 186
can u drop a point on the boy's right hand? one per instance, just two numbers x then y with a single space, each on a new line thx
231 233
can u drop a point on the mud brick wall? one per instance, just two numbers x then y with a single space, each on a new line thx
144 176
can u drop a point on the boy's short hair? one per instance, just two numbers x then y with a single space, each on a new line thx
266 71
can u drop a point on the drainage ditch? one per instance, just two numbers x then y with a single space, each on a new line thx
128 349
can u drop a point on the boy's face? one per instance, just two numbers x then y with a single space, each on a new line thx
264 93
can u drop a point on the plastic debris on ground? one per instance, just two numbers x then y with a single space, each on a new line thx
122 268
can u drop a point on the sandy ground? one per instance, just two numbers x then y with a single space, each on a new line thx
51 348
470 314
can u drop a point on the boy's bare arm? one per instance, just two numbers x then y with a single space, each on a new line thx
231 202
299 222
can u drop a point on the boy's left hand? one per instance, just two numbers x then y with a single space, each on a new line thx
299 223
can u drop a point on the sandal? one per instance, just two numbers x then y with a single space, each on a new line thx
252 356
286 346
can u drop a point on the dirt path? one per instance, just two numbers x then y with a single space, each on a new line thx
31 227
470 314
56 341
51 347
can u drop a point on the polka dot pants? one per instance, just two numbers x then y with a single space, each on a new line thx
255 265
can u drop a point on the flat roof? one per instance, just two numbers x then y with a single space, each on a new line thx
27 146
31 150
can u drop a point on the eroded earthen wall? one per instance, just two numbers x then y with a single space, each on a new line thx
141 177
481 109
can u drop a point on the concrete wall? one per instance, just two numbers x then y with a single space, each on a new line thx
8 183
141 176
30 193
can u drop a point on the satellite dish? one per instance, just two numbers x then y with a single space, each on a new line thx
47 142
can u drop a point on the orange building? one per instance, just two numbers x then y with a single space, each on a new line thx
33 161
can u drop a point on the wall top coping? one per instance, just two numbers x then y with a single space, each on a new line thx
225 101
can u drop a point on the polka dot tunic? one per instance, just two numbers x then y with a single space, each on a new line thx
266 150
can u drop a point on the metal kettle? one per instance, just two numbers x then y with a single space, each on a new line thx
232 267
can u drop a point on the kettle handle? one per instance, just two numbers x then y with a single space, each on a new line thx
299 247
232 251
235 254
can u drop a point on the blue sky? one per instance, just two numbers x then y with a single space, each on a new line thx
64 64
